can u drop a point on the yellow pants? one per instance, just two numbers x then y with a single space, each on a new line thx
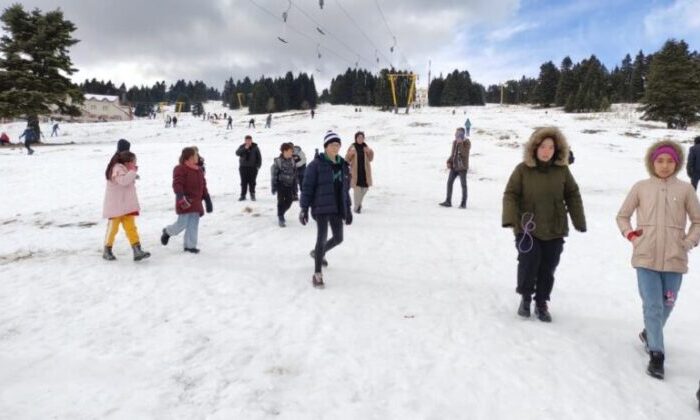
129 223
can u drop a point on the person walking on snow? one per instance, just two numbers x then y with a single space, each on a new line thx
326 191
121 205
251 123
359 156
29 138
229 126
190 189
284 180
458 165
54 132
250 161
540 192
660 242
468 126
268 121
693 166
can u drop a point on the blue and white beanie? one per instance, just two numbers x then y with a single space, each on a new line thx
330 137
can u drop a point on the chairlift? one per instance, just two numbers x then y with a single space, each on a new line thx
392 47
282 40
320 31
285 14
320 4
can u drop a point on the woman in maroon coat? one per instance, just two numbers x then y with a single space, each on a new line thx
190 189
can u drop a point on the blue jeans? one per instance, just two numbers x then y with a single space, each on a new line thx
659 291
189 222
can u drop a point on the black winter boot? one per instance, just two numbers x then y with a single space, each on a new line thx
192 250
542 312
164 237
281 221
139 254
446 203
107 254
656 365
524 308
252 196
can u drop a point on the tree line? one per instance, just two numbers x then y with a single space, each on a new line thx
267 95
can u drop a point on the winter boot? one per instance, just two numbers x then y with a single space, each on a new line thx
107 254
164 237
542 312
317 280
446 203
241 198
281 222
524 308
463 204
139 254
643 339
252 196
313 255
358 210
656 365
192 250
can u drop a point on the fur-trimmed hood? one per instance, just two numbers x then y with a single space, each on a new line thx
561 146
677 147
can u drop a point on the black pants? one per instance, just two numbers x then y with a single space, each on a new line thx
536 267
323 246
285 196
694 181
27 144
462 180
248 177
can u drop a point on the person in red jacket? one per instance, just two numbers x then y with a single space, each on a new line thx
4 139
190 189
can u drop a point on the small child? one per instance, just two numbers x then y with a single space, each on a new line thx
121 205
663 204
190 189
284 180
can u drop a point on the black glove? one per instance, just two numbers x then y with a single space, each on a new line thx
304 216
208 204
348 218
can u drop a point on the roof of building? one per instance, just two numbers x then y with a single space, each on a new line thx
108 98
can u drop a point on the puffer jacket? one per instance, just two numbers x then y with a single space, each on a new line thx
663 207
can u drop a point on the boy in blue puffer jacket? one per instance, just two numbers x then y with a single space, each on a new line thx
326 190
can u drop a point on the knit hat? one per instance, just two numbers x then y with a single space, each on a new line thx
330 137
123 145
666 150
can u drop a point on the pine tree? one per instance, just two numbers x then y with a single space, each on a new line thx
35 65
547 84
673 85
639 72
567 83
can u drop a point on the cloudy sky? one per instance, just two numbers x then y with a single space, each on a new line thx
149 40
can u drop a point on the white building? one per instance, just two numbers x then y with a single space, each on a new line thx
104 108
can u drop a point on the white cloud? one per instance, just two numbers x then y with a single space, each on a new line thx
507 32
680 19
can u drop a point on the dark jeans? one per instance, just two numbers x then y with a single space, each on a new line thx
323 246
248 177
285 196
536 267
462 180
27 144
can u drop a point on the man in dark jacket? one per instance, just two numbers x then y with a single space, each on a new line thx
693 165
29 138
326 190
250 161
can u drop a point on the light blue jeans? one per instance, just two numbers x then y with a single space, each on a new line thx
189 222
659 291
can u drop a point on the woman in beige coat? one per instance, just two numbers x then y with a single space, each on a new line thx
663 204
360 157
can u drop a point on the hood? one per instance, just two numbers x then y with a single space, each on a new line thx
561 154
677 147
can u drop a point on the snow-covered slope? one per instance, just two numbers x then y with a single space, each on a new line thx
417 320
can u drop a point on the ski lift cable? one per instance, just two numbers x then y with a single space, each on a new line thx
381 13
362 32
274 16
325 31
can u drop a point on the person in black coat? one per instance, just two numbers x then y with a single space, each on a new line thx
326 191
250 162
693 165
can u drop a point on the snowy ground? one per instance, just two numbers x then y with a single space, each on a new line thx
417 320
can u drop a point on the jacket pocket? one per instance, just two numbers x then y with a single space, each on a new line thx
674 246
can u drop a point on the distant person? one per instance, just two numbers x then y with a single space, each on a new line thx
29 137
458 164
251 123
229 126
250 161
467 127
174 122
54 132
268 121
693 166
4 139
168 121
359 156
313 113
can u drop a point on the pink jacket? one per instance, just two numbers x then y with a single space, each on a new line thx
120 194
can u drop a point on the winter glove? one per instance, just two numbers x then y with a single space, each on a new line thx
208 204
687 245
348 218
634 234
183 203
304 216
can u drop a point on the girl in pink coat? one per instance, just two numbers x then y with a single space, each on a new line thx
121 206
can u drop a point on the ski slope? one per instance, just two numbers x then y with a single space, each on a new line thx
418 317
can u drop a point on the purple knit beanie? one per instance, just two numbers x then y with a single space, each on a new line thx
665 150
